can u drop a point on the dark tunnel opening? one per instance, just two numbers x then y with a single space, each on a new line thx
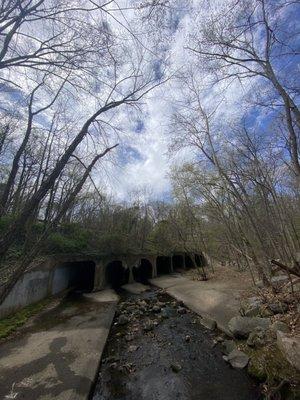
143 272
178 262
188 262
163 265
116 275
82 275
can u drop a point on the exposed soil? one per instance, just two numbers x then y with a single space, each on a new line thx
158 350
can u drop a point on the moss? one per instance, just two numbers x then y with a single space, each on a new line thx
267 364
12 322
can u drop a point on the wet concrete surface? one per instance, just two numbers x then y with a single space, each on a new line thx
158 350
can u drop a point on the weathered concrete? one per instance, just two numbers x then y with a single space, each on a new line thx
218 301
30 288
135 288
57 356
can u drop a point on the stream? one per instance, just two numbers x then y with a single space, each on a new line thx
158 350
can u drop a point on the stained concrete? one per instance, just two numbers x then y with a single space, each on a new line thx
218 301
57 356
135 288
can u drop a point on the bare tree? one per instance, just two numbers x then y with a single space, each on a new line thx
248 40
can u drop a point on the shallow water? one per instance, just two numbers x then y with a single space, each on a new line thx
137 364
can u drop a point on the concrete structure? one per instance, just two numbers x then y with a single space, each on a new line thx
58 355
217 300
88 273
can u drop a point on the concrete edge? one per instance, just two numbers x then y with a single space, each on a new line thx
102 345
220 326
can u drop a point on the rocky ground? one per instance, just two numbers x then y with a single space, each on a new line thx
159 350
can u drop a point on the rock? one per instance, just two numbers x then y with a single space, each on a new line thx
164 314
290 348
156 309
208 323
276 281
265 313
181 310
176 367
251 307
280 326
123 320
278 307
241 327
220 339
257 338
132 348
148 326
187 338
228 346
237 359
129 338
253 312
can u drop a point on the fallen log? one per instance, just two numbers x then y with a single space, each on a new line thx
286 268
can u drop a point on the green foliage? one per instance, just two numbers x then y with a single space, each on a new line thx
69 239
12 322
5 222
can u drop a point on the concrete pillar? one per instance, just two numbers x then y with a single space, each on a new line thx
171 265
99 279
154 267
183 259
131 279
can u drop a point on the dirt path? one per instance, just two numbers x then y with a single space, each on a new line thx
157 350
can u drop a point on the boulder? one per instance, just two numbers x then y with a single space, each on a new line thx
251 307
280 326
278 307
228 346
257 338
208 323
276 281
290 348
241 327
237 359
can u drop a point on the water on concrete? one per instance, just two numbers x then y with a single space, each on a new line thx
163 353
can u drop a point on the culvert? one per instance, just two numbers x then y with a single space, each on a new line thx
143 272
163 265
116 275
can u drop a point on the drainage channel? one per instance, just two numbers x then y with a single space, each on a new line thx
158 350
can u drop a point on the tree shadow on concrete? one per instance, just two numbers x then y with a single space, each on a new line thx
64 380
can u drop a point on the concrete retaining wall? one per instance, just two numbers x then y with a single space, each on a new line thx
36 285
61 279
30 288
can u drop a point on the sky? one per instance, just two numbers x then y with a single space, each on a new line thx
144 157
143 160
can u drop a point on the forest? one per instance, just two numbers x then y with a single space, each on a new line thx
78 83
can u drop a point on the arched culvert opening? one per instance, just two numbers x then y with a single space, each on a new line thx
143 272
81 275
178 262
163 265
116 275
188 262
